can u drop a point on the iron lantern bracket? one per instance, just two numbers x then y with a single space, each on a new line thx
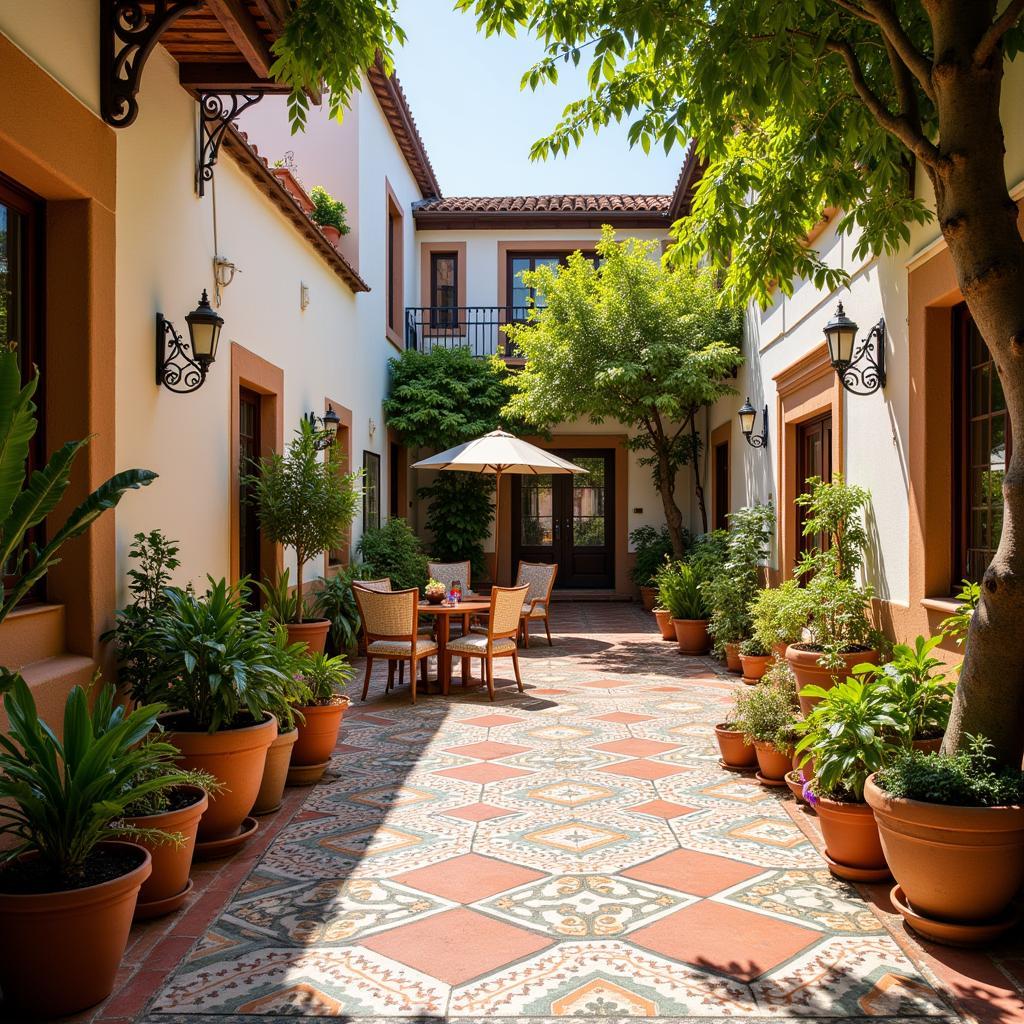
759 440
176 369
864 374
216 111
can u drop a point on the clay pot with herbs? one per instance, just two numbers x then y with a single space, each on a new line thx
736 751
324 679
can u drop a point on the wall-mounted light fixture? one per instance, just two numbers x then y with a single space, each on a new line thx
846 355
325 426
176 369
748 416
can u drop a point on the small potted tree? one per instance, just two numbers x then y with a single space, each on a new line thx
652 547
324 680
306 503
766 715
328 214
778 616
679 591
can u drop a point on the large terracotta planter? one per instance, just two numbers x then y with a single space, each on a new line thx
692 635
754 666
234 756
772 763
808 672
60 951
648 595
732 657
319 733
960 864
930 746
275 772
167 886
736 751
312 633
852 846
664 619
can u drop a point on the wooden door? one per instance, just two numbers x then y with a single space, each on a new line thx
721 486
814 459
250 448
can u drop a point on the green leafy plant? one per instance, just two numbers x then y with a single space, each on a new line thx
394 551
708 554
753 647
766 713
834 509
652 547
61 798
325 677
969 778
305 500
679 591
459 518
328 212
956 626
162 799
336 601
281 602
838 622
778 614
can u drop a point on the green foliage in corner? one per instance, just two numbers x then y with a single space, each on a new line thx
394 551
328 212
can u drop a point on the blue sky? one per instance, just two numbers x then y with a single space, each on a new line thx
464 92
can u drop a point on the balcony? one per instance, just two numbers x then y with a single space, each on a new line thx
477 328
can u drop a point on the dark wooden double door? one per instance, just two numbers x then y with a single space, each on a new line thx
813 459
569 520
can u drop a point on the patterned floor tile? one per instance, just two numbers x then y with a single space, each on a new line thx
478 812
697 873
468 878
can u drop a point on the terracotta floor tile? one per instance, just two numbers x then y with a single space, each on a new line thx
636 748
606 684
546 692
457 945
700 874
725 939
486 721
662 809
640 768
468 878
622 718
486 750
478 812
483 772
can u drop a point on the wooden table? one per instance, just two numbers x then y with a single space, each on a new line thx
444 615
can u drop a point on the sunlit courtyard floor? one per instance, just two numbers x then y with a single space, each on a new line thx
572 851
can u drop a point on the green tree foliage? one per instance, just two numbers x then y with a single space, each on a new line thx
459 517
394 551
629 341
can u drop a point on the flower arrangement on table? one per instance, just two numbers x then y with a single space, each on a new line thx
435 591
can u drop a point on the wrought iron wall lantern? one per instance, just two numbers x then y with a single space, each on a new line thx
181 366
748 416
860 366
325 426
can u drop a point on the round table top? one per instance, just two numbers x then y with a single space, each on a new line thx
468 607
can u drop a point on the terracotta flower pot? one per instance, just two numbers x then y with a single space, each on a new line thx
331 233
772 763
851 839
930 746
234 756
808 672
60 951
171 863
312 633
648 595
664 619
319 733
754 666
275 772
736 751
732 658
435 598
692 635
961 864
795 781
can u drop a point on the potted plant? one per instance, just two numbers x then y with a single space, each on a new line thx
435 591
69 881
652 547
852 731
307 503
754 659
766 715
778 616
394 551
329 214
335 600
952 828
679 591
738 752
324 679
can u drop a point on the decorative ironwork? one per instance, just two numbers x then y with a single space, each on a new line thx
176 370
747 419
477 328
128 33
869 378
216 111
324 427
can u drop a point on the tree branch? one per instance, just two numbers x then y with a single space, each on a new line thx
856 10
994 35
894 32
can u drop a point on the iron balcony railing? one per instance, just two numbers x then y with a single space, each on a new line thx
477 328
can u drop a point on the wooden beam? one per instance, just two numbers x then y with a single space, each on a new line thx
245 33
225 76
276 14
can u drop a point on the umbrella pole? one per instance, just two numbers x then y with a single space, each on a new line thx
498 577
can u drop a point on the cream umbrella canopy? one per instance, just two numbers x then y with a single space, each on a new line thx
499 453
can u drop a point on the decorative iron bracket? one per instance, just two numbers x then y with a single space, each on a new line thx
216 111
176 370
869 378
128 33
759 440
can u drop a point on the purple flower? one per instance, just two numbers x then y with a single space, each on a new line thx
808 793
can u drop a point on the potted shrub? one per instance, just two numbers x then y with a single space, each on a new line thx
738 752
324 679
69 881
852 731
778 616
395 552
329 214
952 828
652 547
336 601
754 659
306 503
766 715
679 591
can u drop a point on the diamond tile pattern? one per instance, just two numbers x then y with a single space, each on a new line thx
571 851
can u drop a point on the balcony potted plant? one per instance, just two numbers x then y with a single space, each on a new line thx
679 591
754 659
952 829
307 503
853 730
778 616
766 715
329 214
324 679
652 547
69 882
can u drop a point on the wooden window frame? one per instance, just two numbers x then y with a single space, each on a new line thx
435 306
561 254
371 471
394 268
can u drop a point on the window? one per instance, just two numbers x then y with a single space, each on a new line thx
395 288
394 460
721 486
250 448
521 298
444 289
392 276
371 490
813 459
981 447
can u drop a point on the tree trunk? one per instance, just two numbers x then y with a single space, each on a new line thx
300 562
979 222
673 515
698 486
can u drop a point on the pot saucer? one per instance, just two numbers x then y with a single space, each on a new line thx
765 781
851 874
306 774
213 849
158 908
740 769
951 933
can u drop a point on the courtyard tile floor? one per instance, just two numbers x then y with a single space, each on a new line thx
572 851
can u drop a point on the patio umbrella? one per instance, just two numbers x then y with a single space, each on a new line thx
499 453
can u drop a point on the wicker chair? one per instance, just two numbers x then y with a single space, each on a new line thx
500 639
539 579
389 618
447 573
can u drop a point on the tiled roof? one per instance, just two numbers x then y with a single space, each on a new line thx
689 178
560 204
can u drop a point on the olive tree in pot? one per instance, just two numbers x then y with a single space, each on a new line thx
323 678
305 502
952 829
766 715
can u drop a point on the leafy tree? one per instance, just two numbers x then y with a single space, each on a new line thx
459 517
632 341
